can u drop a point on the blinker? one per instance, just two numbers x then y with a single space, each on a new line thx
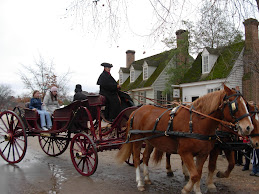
233 106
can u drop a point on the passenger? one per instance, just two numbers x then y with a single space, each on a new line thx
115 99
51 100
35 105
78 93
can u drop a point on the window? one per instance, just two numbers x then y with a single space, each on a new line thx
163 98
145 73
121 78
213 90
194 98
132 76
142 97
210 90
205 64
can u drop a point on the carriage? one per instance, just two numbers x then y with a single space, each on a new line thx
82 123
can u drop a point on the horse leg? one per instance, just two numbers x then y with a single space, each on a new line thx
200 160
146 156
194 176
136 155
185 171
230 155
169 171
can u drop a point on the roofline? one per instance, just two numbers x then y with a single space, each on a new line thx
141 89
203 83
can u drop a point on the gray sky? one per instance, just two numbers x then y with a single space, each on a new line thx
30 28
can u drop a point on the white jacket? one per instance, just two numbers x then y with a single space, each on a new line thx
50 105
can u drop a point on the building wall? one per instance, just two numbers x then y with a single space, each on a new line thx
199 89
235 77
159 84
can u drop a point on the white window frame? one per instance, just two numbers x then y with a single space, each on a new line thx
209 90
145 73
132 76
205 64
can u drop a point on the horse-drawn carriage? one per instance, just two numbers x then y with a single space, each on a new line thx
186 130
81 123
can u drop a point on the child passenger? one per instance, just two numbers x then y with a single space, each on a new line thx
35 105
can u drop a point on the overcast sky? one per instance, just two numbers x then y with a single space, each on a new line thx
30 28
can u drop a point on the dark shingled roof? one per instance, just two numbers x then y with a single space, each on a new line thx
221 69
160 61
125 70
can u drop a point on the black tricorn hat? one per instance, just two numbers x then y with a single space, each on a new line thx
106 65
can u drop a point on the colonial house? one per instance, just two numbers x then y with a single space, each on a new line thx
231 65
234 65
145 79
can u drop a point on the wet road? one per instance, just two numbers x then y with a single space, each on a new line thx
39 173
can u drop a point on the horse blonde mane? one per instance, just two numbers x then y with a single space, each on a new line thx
209 102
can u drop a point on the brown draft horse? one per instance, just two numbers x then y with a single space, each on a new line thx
149 120
254 140
229 153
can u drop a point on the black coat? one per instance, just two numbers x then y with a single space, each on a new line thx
79 96
108 88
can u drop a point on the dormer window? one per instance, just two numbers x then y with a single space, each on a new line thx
145 73
205 64
132 75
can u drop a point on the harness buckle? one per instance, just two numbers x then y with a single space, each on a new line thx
166 134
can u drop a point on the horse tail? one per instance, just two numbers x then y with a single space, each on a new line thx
157 156
125 152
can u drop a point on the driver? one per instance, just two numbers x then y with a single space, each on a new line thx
109 88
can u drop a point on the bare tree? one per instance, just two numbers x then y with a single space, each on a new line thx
212 29
5 95
41 76
112 14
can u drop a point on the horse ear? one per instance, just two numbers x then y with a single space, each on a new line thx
227 90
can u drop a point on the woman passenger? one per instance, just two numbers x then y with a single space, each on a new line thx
35 105
51 100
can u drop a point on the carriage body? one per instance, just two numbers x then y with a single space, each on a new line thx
80 123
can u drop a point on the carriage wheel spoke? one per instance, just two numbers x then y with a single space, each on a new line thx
4 125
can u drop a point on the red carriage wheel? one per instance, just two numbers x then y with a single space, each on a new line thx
84 154
54 144
13 138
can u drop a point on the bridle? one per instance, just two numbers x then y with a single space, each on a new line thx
233 107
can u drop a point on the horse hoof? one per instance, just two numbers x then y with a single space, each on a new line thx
220 175
141 188
212 190
148 182
171 174
183 191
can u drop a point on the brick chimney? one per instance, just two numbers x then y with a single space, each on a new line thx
251 61
130 57
251 34
182 38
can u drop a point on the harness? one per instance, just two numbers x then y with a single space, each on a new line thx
233 107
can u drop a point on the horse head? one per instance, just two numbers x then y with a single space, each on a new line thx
254 113
235 110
